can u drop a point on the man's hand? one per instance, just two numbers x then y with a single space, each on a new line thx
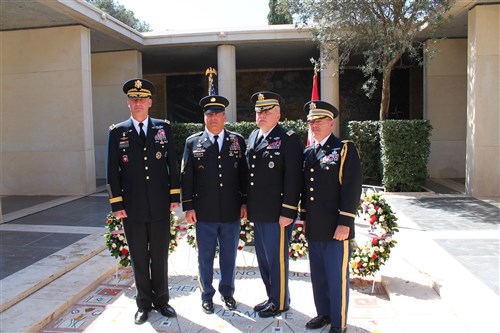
120 214
191 216
285 221
243 211
173 206
341 233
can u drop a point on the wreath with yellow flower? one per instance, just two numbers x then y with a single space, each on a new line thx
116 242
374 211
298 246
246 235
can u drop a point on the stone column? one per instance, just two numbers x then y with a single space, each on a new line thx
483 102
226 76
329 81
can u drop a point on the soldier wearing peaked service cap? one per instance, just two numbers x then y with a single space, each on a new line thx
213 182
329 200
143 184
274 158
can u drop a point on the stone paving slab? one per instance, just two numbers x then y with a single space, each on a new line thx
110 307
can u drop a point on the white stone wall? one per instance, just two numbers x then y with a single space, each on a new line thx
47 140
445 100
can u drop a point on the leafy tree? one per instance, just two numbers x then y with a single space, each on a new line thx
381 30
121 13
279 12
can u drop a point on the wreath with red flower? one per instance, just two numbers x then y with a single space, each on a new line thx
116 242
376 212
246 235
298 246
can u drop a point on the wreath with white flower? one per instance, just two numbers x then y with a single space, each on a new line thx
374 211
116 241
298 246
246 235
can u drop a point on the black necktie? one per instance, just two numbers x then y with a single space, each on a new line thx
259 140
141 133
317 148
216 142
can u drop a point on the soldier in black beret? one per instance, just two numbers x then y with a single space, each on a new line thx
213 182
143 185
274 157
330 198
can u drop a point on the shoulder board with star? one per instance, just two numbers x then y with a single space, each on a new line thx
233 134
195 134
290 132
346 141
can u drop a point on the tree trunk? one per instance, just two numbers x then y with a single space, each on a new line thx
386 95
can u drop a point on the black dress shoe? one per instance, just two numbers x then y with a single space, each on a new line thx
207 306
318 322
271 310
166 310
336 330
260 306
141 316
229 302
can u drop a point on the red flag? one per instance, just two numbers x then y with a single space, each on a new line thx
314 97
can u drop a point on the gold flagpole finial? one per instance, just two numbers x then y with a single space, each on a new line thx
210 72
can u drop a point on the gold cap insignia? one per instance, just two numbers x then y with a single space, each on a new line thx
138 84
212 99
312 106
260 97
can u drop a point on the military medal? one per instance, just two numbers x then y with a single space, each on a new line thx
158 155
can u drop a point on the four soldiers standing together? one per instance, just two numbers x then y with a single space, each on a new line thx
223 179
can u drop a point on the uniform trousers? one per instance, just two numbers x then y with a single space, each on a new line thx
329 263
208 236
148 243
271 248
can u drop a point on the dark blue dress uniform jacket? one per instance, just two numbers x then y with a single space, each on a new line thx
332 189
143 179
275 175
214 187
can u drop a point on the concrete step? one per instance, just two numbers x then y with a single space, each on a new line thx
34 308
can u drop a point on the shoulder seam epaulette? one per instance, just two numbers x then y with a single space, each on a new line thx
290 132
167 121
195 134
112 127
346 141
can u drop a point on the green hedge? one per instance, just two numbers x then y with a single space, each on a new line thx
365 134
405 148
394 153
183 130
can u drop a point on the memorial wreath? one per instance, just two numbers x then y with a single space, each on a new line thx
367 258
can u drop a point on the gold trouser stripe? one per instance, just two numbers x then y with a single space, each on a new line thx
289 207
175 191
347 214
343 154
187 200
115 200
345 262
282 268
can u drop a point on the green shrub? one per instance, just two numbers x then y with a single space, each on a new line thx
365 135
405 148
